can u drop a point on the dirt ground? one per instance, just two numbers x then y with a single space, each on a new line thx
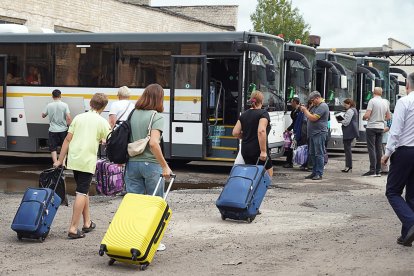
342 225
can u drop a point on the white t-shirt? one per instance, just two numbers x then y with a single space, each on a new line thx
119 107
379 107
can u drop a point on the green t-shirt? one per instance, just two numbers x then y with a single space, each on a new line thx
88 130
139 126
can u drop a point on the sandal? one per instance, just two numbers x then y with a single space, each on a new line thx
79 234
90 228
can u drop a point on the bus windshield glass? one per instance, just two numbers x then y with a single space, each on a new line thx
295 78
273 94
383 67
336 96
367 89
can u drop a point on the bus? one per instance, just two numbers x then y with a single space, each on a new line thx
335 89
380 68
207 80
299 71
395 75
365 88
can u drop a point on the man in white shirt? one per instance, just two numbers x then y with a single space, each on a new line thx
120 109
377 112
400 151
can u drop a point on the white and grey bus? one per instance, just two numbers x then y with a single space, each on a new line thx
336 89
380 69
300 65
207 79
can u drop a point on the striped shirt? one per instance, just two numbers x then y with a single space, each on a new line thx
402 132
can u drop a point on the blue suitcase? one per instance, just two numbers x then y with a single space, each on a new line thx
244 192
36 213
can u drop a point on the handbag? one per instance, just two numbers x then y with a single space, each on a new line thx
137 147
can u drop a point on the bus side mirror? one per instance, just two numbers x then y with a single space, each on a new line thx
270 72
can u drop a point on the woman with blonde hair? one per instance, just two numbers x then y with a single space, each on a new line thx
253 127
120 109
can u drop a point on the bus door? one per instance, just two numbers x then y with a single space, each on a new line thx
188 106
3 88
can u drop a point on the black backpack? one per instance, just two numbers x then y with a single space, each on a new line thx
117 142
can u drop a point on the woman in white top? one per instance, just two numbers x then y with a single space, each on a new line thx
120 109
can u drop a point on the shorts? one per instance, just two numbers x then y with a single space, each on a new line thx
248 160
83 181
56 139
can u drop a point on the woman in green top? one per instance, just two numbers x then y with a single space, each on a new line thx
143 171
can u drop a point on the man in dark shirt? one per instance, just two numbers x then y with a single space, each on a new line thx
295 103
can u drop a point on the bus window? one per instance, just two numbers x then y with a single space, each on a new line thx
38 64
188 76
84 65
141 64
14 63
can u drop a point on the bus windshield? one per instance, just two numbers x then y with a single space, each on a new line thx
273 94
383 67
336 95
368 87
295 82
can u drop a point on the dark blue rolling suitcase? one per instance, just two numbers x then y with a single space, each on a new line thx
36 212
244 192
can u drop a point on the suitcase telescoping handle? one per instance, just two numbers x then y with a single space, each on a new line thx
172 178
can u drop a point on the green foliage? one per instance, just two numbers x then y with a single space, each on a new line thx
277 17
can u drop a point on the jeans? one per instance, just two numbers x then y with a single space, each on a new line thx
142 177
374 145
317 151
348 152
400 176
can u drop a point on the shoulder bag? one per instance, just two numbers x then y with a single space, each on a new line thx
137 147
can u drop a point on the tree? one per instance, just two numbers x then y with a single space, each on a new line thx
277 17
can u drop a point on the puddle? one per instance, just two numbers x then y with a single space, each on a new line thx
16 179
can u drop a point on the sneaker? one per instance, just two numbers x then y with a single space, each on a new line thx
377 175
287 166
310 176
161 247
317 177
369 174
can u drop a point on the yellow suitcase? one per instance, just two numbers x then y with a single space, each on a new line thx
137 228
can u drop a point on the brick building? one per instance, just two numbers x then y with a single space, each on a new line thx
116 16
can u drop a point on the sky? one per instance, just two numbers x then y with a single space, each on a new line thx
340 23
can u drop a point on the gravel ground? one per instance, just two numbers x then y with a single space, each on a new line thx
342 225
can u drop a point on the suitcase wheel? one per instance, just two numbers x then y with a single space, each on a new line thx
249 220
111 261
143 267
223 217
135 254
19 237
